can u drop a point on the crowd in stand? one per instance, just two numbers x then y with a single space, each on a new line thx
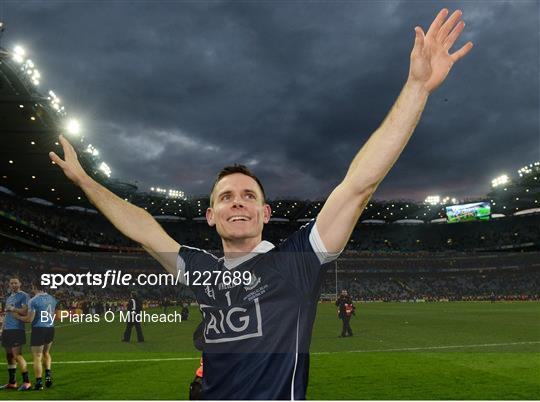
516 284
77 226
383 262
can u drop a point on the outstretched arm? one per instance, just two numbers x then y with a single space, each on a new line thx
132 221
430 63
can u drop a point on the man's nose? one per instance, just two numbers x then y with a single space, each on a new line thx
238 202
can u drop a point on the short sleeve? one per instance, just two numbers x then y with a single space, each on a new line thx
300 263
25 299
192 259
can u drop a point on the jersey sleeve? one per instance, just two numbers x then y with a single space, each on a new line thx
25 299
303 259
191 259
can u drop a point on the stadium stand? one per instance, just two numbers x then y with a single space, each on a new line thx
400 250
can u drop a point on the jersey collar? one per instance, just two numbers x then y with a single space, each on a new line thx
261 248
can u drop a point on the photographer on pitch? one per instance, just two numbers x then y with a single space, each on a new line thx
346 310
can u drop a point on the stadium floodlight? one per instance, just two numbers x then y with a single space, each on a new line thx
73 127
19 50
175 193
105 169
92 150
432 199
503 179
18 54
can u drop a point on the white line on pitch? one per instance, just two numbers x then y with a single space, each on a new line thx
484 345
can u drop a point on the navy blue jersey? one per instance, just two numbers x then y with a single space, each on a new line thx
257 335
17 300
44 307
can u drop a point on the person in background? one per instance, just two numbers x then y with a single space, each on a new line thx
41 310
345 312
134 307
13 335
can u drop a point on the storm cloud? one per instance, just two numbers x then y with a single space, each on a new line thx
172 91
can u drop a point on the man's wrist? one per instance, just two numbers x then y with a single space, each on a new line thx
86 183
417 87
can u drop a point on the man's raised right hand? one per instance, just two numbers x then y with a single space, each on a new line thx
70 164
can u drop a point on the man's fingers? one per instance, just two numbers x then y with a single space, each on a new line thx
461 52
437 23
448 25
451 39
67 147
419 39
56 159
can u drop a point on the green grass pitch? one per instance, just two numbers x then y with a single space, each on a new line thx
399 351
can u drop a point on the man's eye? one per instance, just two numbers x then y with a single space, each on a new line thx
252 196
225 197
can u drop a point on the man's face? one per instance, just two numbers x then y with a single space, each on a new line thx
14 284
238 212
343 293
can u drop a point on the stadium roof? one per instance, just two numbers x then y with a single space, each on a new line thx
31 120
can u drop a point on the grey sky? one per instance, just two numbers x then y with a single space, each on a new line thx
169 92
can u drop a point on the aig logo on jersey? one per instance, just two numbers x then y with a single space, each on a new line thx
229 324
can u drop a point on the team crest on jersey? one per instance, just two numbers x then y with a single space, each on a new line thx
253 283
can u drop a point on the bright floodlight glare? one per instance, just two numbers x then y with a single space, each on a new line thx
105 169
175 193
432 199
503 179
73 127
18 50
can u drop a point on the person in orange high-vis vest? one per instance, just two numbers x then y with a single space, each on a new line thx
195 388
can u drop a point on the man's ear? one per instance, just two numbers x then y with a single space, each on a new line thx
210 217
267 213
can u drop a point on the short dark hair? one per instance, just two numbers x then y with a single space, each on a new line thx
36 283
236 168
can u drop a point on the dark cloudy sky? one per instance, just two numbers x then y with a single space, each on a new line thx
169 92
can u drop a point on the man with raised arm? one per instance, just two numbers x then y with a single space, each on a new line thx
259 301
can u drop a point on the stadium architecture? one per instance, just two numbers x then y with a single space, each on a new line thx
41 210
